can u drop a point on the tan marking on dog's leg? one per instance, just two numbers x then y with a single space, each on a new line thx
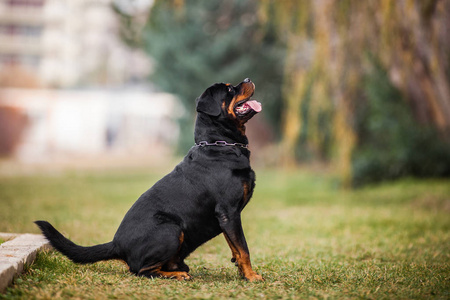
178 275
243 262
234 251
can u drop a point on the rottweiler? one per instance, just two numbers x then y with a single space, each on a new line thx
201 198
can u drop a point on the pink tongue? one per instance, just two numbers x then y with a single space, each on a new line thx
255 105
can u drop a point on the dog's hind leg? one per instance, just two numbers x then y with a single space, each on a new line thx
164 261
177 262
158 272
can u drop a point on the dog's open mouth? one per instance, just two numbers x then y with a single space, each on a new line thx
247 106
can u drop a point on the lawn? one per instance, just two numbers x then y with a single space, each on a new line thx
307 237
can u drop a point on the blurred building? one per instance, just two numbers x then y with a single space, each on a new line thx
39 125
67 43
65 78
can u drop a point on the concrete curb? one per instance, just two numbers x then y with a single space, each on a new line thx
20 249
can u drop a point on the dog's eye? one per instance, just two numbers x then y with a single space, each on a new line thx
230 89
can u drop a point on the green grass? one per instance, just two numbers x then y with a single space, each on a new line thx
308 238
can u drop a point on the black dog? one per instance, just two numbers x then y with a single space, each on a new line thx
201 198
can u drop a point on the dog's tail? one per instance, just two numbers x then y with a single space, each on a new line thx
78 254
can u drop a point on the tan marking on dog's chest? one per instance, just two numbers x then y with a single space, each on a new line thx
246 197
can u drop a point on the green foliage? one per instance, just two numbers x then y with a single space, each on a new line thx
308 239
316 136
203 42
129 30
391 143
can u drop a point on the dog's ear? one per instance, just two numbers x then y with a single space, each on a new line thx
207 104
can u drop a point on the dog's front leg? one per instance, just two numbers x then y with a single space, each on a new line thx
234 234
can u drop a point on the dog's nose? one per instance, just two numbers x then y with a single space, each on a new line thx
246 80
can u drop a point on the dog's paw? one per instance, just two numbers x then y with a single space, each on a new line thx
184 276
177 275
253 277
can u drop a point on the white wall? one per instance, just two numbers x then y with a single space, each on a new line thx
93 122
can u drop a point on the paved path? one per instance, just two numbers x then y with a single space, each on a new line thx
20 249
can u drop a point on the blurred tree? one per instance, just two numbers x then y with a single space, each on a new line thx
342 41
391 143
197 43
364 84
132 16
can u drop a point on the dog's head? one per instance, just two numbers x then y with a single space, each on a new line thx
225 101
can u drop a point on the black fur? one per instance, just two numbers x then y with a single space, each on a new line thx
201 198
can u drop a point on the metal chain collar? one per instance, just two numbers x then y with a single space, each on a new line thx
220 143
